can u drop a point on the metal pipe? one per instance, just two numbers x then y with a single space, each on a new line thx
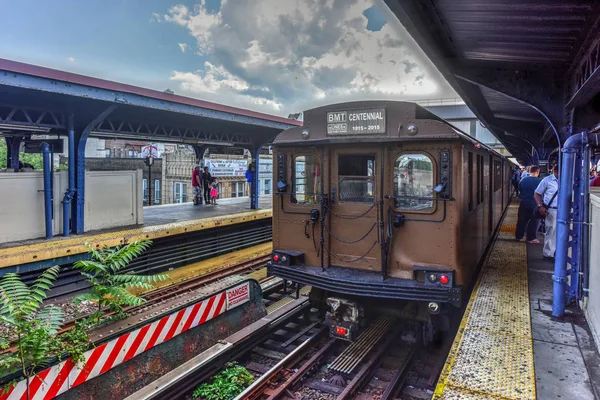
585 228
47 189
565 188
70 192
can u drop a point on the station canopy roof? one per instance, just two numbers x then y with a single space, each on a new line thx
35 99
518 64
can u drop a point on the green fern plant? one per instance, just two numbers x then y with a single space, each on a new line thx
110 287
227 384
34 328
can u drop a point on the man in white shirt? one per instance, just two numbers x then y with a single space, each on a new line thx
547 199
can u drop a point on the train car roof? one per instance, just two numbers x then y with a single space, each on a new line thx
372 122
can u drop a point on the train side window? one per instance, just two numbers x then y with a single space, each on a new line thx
479 179
413 182
497 175
356 174
305 179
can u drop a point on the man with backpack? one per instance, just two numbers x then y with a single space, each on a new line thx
547 203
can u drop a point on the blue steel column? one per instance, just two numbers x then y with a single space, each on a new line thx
79 208
254 189
575 229
572 146
585 227
15 144
69 194
47 189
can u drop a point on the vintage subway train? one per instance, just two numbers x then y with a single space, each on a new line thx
383 206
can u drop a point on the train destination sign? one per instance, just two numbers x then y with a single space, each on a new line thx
356 122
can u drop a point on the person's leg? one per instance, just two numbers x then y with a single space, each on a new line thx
206 194
200 195
195 199
550 236
522 219
532 226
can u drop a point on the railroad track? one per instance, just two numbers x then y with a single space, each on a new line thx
299 361
156 296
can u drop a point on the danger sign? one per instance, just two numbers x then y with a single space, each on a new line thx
238 295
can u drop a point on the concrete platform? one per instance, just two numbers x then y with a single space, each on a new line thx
508 346
160 221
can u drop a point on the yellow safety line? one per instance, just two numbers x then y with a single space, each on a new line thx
509 388
59 247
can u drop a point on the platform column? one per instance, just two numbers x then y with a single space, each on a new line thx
199 150
12 152
80 143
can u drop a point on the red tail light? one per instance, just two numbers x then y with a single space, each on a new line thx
275 258
341 331
444 279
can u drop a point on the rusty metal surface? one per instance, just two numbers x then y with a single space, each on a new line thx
132 375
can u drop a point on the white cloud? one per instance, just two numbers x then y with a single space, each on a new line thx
71 59
183 47
290 55
156 17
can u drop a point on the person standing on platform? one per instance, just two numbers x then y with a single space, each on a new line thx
515 180
596 181
214 191
547 201
525 173
197 185
250 176
527 222
206 180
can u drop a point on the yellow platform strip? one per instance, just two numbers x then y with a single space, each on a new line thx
492 354
200 268
287 300
60 247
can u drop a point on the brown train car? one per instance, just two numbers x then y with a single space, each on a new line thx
382 204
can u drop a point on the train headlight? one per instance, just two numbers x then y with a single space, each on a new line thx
433 308
412 130
432 277
305 134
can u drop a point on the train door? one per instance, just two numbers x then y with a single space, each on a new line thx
353 213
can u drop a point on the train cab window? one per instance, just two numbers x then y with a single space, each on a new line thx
356 174
305 179
413 181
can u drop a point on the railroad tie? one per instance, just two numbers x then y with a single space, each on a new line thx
354 354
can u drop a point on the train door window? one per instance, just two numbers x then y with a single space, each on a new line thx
470 183
413 182
497 175
305 179
267 187
479 179
356 173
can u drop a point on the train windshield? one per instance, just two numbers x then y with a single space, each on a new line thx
356 173
305 179
413 182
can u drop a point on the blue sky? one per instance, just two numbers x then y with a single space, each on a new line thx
275 56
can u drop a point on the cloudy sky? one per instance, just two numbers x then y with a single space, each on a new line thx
275 56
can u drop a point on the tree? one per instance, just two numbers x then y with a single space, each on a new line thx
33 328
110 287
33 159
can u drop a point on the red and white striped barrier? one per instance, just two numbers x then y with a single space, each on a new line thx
55 380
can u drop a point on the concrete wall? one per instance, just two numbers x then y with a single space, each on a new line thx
592 305
112 198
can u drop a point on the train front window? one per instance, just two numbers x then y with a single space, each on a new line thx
413 182
305 179
356 174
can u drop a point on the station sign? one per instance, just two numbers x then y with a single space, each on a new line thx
356 122
222 168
